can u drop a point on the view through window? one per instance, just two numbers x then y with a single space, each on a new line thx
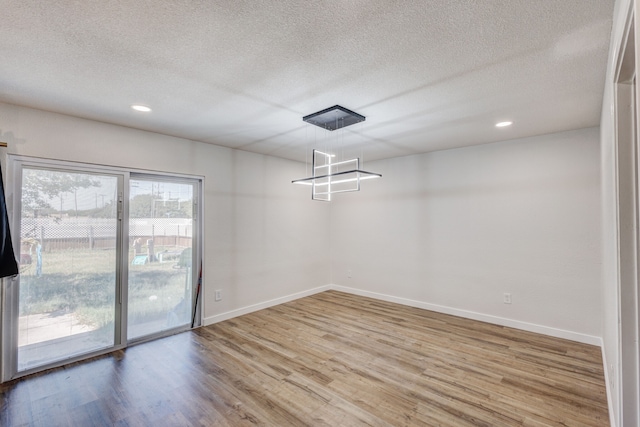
161 255
68 238
85 284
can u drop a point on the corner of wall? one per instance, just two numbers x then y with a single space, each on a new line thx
262 305
608 385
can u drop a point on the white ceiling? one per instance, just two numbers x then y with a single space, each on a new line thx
427 74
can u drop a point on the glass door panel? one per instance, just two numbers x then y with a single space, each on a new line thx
161 251
68 264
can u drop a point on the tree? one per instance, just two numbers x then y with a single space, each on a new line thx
149 206
34 192
141 206
39 187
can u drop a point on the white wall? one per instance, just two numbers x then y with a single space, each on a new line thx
454 230
264 239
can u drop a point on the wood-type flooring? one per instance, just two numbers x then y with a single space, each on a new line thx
331 359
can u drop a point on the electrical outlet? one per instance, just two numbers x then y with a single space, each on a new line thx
349 274
507 298
218 295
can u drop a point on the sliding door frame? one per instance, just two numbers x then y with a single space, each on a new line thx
626 169
9 301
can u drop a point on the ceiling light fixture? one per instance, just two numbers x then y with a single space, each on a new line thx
333 118
142 108
503 124
329 176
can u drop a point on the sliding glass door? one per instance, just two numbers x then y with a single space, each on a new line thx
68 261
161 255
107 256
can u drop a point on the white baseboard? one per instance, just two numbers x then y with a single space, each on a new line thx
525 326
531 327
612 420
266 304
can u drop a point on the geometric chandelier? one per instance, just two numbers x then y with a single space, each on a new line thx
331 176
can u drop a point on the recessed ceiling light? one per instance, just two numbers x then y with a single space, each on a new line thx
142 108
503 124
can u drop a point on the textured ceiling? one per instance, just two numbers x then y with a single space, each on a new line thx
428 75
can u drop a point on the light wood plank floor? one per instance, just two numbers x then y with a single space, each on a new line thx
332 359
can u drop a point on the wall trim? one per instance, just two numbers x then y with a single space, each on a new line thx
607 383
496 320
262 305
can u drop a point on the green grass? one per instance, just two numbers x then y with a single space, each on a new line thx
84 282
